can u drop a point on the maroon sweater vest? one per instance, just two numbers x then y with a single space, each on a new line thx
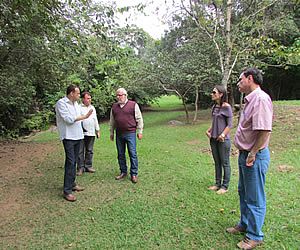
124 117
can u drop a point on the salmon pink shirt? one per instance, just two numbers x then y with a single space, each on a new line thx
257 115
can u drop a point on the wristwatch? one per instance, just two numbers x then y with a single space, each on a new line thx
223 135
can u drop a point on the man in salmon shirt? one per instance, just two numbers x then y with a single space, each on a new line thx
252 139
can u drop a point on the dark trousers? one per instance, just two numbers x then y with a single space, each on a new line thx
221 153
71 153
129 139
86 151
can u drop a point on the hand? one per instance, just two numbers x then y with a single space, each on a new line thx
250 160
98 134
220 138
140 136
208 134
112 137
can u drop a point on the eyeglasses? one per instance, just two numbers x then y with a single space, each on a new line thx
120 94
238 81
214 92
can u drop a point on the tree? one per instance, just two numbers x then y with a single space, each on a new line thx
231 26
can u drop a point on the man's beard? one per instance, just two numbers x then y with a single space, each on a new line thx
122 102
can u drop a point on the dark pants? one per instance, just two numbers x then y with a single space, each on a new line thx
71 153
221 153
86 151
129 139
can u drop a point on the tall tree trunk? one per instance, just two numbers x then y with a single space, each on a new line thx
230 91
227 56
186 111
196 103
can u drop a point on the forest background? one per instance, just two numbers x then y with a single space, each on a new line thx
46 45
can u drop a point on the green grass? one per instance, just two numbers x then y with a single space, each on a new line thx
288 102
168 102
170 207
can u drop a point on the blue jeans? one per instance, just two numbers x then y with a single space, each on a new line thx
251 189
221 153
71 153
129 139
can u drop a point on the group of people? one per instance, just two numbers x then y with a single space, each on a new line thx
251 139
78 127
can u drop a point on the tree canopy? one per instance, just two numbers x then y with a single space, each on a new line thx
46 45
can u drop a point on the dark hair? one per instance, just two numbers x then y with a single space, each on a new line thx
83 94
71 88
256 74
222 90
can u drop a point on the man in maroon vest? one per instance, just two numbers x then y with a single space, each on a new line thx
126 118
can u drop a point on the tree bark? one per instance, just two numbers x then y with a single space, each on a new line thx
186 111
227 66
196 103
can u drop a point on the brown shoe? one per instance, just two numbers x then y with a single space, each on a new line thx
70 197
121 176
77 188
134 179
80 172
235 230
246 243
91 170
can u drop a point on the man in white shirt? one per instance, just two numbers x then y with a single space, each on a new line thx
90 130
68 119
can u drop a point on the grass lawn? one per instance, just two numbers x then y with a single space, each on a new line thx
170 207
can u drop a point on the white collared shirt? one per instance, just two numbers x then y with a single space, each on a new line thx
66 114
90 125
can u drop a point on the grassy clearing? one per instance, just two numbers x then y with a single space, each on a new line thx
170 207
168 102
289 102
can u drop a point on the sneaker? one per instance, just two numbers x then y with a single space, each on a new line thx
235 230
222 191
213 188
246 243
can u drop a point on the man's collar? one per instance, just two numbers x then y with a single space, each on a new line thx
252 94
67 99
122 104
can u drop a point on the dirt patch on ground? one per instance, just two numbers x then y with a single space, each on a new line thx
19 165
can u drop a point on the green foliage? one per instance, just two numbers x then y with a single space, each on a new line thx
46 45
37 121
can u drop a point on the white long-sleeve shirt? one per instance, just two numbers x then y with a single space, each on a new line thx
66 114
91 124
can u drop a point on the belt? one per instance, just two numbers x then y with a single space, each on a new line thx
247 152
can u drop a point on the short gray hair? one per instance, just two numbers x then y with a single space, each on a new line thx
122 90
